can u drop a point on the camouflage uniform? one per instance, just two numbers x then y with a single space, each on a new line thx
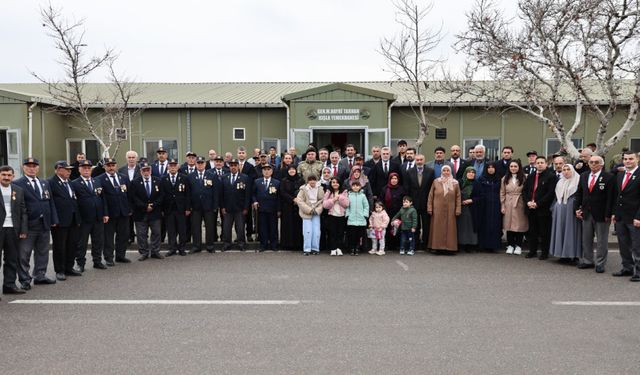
306 169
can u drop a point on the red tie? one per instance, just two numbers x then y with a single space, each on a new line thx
350 163
626 179
455 166
535 187
593 182
335 171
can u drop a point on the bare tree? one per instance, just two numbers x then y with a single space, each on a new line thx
100 113
409 58
579 54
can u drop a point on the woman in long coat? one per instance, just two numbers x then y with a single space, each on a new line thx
290 220
566 229
467 228
444 206
488 210
391 197
512 206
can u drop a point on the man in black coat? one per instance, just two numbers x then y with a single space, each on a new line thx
266 199
146 199
94 213
418 184
539 192
530 168
380 173
626 216
132 171
234 202
502 165
116 230
42 217
249 170
65 235
592 205
205 189
459 164
176 208
13 230
189 166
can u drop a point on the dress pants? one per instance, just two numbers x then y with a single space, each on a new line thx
116 232
176 230
65 245
629 242
151 246
37 241
539 234
268 230
590 227
9 249
209 218
230 219
96 231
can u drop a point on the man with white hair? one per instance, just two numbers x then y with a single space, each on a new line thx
481 161
582 165
380 173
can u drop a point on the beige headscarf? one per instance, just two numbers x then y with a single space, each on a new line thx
567 186
447 182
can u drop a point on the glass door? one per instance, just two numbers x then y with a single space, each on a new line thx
300 139
374 137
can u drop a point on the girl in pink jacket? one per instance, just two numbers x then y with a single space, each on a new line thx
335 202
378 222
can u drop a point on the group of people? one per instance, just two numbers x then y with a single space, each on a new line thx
321 200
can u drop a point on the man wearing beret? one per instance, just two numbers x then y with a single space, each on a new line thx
146 197
66 234
116 230
42 216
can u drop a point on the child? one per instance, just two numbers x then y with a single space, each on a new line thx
357 214
378 221
409 217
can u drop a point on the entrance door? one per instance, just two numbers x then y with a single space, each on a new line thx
333 139
300 139
14 150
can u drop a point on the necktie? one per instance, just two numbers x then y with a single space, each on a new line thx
36 188
266 184
233 179
350 163
335 171
455 166
148 187
173 179
66 185
190 170
385 168
535 186
161 169
593 182
419 176
626 179
115 181
219 172
200 175
89 185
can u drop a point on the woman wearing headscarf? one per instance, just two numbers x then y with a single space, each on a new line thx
444 206
290 221
391 197
566 229
489 221
467 229
365 186
512 206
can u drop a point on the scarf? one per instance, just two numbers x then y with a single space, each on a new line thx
467 185
389 192
567 186
447 182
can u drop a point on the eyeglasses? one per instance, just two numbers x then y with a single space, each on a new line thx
594 162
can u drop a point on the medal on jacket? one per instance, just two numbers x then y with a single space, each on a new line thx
13 195
272 190
123 188
208 182
157 190
99 191
240 186
180 187
45 193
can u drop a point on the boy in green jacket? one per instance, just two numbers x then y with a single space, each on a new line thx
409 217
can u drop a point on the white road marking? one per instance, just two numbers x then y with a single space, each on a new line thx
596 303
404 266
153 302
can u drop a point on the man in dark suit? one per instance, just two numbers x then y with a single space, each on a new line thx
14 219
244 167
66 234
93 215
146 199
234 202
502 165
338 169
592 205
176 208
380 173
418 184
626 216
375 157
266 192
219 170
349 160
539 192
458 163
116 230
42 216
205 188
160 166
132 171
409 162
189 166
530 168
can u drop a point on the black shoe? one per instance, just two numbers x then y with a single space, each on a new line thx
182 253
584 266
143 258
531 255
44 281
193 251
211 251
73 273
305 254
123 260
99 266
25 286
635 278
622 273
171 253
225 248
157 256
12 290
242 248
600 269
315 253
543 257
110 263
60 276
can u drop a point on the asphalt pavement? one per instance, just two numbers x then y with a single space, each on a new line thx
284 313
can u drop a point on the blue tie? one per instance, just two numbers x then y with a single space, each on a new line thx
148 186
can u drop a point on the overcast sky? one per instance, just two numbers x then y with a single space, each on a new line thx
222 41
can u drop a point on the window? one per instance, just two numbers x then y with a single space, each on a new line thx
634 144
152 145
238 134
273 142
90 147
394 145
492 146
553 145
